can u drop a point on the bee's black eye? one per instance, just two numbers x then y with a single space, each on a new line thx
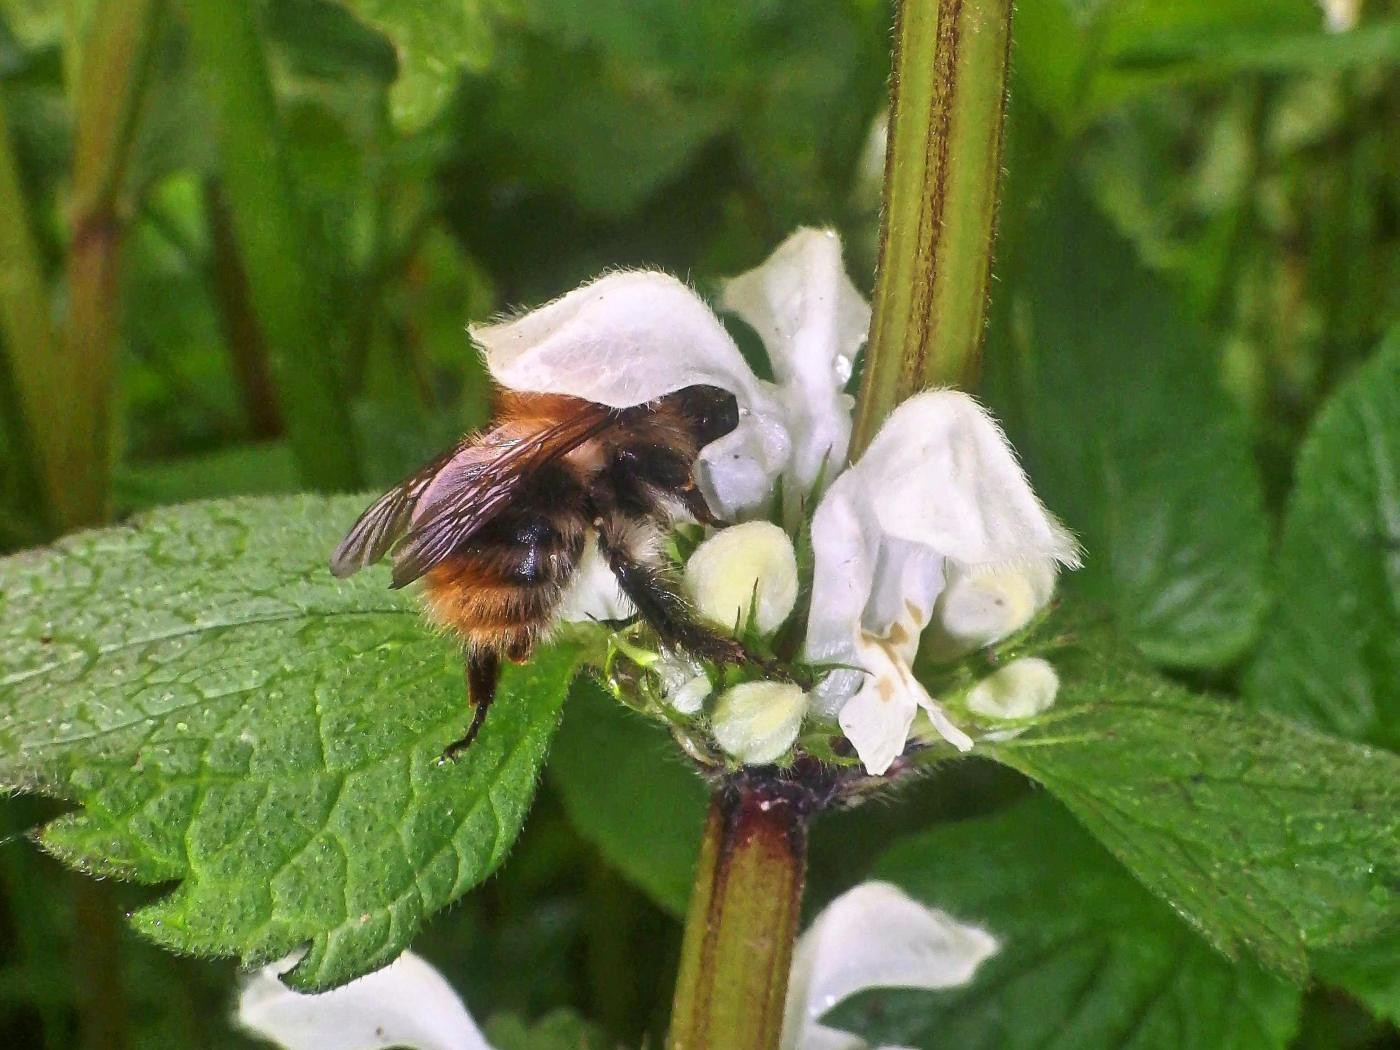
713 411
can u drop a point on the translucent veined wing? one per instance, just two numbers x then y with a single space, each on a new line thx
379 527
482 492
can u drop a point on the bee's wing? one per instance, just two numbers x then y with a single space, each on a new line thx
379 527
485 490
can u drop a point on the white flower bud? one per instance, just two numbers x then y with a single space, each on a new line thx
690 697
979 607
738 564
1021 689
758 721
683 681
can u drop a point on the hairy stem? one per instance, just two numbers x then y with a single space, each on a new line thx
942 170
743 916
274 237
109 89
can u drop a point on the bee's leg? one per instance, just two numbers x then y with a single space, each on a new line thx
694 502
669 613
483 671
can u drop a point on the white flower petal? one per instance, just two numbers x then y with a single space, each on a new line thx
877 719
845 547
748 565
812 321
593 592
408 1003
736 474
620 340
878 725
875 936
1021 689
757 722
941 473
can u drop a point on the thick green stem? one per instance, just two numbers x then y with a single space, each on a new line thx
274 237
743 917
942 171
75 426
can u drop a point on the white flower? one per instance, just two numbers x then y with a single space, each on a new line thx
744 566
408 1003
1021 689
938 491
757 722
628 338
874 936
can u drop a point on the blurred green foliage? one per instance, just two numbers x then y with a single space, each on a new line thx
1199 243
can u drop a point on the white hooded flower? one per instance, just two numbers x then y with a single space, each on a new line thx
407 1003
874 936
628 338
938 492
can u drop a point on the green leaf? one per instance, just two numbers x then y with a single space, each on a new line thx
1370 972
558 1030
230 716
1331 652
436 41
1088 957
1264 835
627 791
1112 395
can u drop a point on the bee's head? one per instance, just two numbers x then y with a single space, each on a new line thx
712 412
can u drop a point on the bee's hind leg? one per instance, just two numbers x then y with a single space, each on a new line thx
482 674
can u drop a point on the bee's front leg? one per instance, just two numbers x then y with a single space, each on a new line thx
694 502
670 615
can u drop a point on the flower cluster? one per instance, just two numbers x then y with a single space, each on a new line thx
930 545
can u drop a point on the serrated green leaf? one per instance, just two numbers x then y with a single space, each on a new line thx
1088 957
230 716
627 791
1112 395
1266 836
1331 652
436 41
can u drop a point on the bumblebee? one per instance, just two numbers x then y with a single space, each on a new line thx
497 526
